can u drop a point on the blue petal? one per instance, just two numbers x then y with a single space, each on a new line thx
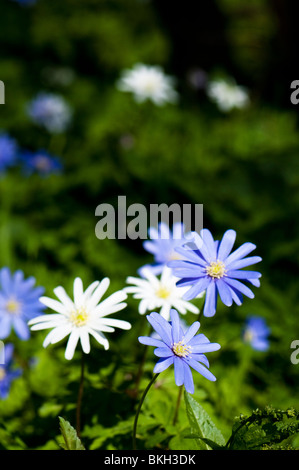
163 364
161 326
243 263
211 300
208 248
178 371
175 323
241 252
192 330
226 244
150 341
238 286
201 369
188 379
224 292
163 352
199 286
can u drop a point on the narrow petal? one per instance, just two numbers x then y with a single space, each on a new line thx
163 364
178 371
78 291
124 325
175 323
243 263
64 298
208 249
226 244
54 305
224 292
199 286
237 274
161 326
98 293
57 334
188 379
99 337
240 287
211 300
84 339
163 352
241 252
71 344
205 347
192 330
147 340
201 369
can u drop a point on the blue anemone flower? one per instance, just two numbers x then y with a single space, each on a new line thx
256 332
40 162
7 372
8 152
163 243
182 349
19 303
211 267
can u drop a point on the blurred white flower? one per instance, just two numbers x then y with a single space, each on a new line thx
148 83
227 94
155 293
84 316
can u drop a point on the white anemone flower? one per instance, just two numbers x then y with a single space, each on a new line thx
159 293
81 317
227 95
148 83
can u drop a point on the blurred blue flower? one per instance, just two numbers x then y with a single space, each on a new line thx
256 333
163 245
25 2
213 268
182 349
8 151
40 162
7 372
19 302
50 111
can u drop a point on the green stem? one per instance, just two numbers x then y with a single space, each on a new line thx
176 413
80 394
139 408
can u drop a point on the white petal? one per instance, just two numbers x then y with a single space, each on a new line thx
57 334
57 317
53 304
100 338
63 297
124 325
78 291
98 294
90 290
71 344
84 338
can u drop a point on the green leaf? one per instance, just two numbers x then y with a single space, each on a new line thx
207 434
71 440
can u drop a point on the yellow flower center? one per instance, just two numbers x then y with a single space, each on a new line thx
180 349
13 307
163 292
79 317
216 269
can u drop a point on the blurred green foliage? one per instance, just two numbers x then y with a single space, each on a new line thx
242 166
